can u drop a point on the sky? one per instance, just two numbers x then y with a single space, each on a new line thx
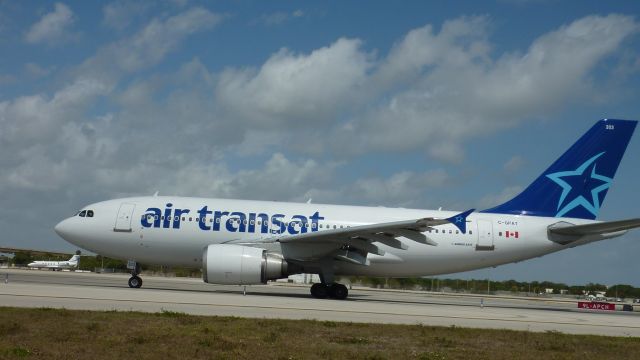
401 104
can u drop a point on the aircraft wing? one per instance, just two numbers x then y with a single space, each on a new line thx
360 240
600 228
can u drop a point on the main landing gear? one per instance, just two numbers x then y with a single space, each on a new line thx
135 281
334 291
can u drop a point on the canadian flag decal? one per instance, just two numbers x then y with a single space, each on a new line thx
511 234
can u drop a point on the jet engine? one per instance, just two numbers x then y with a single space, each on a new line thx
241 265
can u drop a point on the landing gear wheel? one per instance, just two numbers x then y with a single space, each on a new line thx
135 282
338 291
319 291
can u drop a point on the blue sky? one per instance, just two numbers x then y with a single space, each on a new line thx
410 104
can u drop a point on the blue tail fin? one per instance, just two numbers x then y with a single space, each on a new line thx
460 220
577 183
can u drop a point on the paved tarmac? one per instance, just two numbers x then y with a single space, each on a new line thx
88 291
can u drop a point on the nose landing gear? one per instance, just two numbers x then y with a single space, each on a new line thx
135 281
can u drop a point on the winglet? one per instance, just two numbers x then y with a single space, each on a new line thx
460 220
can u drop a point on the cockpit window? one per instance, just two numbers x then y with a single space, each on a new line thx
83 213
89 213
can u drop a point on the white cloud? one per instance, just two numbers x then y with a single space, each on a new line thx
152 43
53 28
295 89
121 14
446 88
34 118
280 17
59 131
149 46
35 70
432 91
492 200
276 18
6 79
405 188
514 164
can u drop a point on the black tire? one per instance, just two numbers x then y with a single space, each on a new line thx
319 291
338 291
135 282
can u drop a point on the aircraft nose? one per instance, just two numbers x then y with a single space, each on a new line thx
63 229
72 230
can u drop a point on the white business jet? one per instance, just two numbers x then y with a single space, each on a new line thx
56 265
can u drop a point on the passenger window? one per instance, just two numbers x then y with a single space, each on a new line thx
457 232
190 218
314 225
259 222
450 232
252 222
176 218
162 217
470 232
437 232
500 233
183 218
334 226
155 217
83 213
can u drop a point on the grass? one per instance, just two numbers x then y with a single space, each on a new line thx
69 334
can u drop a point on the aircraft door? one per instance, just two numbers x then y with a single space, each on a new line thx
123 220
485 236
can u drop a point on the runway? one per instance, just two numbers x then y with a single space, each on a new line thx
88 291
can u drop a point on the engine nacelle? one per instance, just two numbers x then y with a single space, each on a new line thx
241 265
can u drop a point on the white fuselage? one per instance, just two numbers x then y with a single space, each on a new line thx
148 230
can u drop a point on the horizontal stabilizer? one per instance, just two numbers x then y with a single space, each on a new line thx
600 228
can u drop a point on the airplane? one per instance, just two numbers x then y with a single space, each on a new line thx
56 265
247 242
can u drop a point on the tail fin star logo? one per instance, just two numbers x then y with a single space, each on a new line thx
581 187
